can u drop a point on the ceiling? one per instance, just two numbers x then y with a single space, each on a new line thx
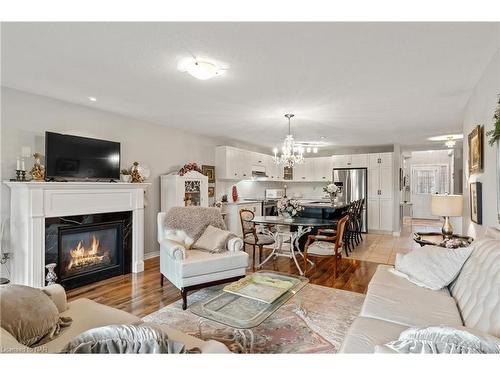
354 83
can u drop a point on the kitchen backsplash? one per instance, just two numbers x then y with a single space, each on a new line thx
256 189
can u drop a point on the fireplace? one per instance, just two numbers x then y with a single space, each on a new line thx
88 248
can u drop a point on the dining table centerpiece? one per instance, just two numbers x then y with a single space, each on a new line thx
289 208
332 190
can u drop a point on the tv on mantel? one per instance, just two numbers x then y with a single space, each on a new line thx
80 158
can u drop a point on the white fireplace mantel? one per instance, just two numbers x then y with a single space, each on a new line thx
32 202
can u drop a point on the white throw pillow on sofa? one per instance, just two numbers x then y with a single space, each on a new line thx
444 340
433 267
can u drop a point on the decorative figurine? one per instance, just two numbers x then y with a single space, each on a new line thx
38 170
134 173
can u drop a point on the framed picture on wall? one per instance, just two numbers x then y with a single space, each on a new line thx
476 202
209 171
211 191
476 150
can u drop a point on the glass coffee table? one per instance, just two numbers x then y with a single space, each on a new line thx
242 314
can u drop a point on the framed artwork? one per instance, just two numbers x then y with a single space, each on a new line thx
209 171
476 150
211 191
476 202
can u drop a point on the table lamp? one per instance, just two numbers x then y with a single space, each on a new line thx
446 206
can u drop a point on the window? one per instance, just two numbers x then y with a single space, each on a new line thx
431 179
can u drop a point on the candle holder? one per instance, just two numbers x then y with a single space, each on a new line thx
18 175
23 175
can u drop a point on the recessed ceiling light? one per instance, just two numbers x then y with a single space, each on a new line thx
200 68
92 99
322 137
441 138
315 150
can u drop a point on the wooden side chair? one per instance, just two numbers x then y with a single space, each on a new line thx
326 246
251 237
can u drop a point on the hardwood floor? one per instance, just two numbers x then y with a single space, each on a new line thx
141 294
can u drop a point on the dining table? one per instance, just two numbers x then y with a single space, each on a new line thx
283 229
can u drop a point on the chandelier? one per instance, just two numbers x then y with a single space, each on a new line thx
291 153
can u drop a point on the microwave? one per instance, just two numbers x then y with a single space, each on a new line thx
275 193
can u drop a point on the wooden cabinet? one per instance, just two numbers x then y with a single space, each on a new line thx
179 191
380 192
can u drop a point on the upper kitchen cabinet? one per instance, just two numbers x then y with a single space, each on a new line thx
322 168
350 161
232 163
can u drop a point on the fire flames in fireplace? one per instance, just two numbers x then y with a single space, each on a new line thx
82 257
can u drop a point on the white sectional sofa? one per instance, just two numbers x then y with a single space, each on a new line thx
394 304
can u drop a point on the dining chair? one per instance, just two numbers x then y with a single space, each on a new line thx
250 235
326 246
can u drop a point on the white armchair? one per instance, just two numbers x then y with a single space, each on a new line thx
190 269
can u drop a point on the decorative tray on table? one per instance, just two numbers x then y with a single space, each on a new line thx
260 287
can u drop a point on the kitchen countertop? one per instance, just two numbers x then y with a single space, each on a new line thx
242 202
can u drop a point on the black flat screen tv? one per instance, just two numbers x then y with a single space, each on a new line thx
72 157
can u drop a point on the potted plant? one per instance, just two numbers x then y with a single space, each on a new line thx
494 133
125 175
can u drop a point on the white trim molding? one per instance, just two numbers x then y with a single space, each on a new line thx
33 202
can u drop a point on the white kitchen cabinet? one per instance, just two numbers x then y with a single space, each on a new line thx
380 192
373 213
232 211
299 172
386 214
233 163
380 214
273 169
350 161
179 191
322 169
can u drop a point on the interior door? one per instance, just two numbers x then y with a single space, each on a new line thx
424 184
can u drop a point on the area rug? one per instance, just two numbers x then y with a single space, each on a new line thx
321 329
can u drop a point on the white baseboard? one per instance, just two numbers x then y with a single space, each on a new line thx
152 254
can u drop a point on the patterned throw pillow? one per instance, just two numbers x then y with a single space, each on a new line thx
444 339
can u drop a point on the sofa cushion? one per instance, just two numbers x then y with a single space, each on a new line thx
29 314
365 333
477 287
201 263
407 304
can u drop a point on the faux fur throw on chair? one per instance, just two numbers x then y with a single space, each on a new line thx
194 220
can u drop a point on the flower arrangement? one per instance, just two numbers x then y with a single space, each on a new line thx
494 134
289 207
331 189
189 167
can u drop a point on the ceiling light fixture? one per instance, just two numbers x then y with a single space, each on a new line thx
200 68
315 150
450 143
92 99
291 153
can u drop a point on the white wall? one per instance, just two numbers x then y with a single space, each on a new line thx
479 111
25 118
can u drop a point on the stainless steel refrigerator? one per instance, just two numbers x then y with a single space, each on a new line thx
353 184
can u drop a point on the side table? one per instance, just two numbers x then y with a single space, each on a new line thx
437 239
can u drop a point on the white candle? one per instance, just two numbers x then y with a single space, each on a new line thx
18 165
23 167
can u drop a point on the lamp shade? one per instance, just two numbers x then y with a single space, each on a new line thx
447 205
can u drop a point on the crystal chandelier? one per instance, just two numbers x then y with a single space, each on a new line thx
291 153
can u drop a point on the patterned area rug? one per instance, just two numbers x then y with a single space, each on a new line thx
328 314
